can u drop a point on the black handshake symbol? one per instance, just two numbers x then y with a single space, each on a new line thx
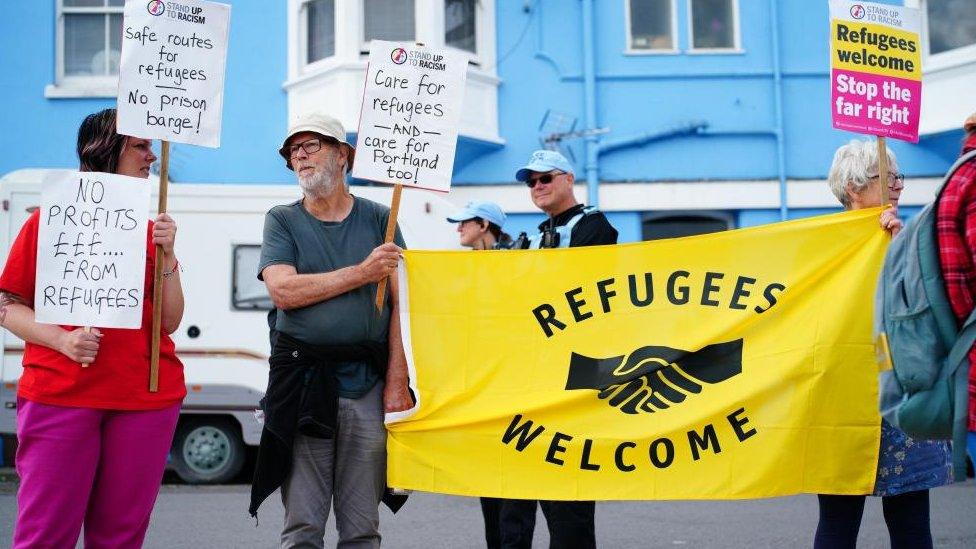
654 377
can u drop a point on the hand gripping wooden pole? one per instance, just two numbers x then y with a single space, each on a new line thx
391 224
157 320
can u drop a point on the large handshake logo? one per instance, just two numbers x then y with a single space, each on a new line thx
654 378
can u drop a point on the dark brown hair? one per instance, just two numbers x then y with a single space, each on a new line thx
99 145
495 230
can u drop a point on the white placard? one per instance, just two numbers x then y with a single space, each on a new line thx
91 250
409 121
171 75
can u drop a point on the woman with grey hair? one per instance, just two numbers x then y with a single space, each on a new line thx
907 468
853 178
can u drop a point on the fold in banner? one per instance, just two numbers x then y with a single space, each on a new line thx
731 365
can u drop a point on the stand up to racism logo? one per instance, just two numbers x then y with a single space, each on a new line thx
398 56
156 7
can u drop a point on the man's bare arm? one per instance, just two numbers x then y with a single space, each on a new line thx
290 290
396 395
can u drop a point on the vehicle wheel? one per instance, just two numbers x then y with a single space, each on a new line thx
207 451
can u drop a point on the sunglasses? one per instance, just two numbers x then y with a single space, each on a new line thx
545 179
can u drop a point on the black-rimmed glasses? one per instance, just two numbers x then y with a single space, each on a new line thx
896 181
310 146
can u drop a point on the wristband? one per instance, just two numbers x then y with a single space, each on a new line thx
176 269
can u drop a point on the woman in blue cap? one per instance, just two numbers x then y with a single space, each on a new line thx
480 226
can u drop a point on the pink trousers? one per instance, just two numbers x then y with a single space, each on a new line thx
82 466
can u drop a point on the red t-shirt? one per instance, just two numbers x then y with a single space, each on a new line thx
119 377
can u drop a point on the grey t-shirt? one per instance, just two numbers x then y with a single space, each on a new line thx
292 236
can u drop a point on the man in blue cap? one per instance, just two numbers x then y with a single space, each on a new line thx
480 226
550 178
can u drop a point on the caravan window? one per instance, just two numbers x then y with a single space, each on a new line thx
248 293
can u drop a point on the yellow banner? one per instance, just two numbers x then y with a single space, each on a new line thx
732 365
875 49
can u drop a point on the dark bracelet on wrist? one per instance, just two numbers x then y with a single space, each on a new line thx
176 268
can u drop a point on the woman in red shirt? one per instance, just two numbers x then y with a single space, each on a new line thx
92 439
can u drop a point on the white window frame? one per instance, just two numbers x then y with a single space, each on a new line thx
302 36
736 35
673 50
351 49
79 86
480 26
957 57
341 76
418 7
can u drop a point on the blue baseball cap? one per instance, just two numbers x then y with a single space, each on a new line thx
489 211
544 161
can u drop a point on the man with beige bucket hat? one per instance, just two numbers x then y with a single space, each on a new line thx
337 364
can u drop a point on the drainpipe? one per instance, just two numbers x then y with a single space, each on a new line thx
691 128
778 93
589 100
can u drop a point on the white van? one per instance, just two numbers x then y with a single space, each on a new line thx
223 340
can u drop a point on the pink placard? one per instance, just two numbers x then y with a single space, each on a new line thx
879 105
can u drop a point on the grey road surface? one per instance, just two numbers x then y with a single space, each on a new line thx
194 517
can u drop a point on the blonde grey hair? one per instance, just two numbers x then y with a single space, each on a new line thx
854 164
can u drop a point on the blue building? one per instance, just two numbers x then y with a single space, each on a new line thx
690 115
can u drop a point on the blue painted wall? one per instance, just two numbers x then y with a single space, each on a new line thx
40 133
540 66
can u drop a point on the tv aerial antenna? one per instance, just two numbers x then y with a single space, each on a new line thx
558 127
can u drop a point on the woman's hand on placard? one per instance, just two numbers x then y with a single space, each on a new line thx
164 233
81 345
889 220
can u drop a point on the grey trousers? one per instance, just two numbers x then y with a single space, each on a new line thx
351 470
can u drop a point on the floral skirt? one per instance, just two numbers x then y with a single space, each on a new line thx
906 464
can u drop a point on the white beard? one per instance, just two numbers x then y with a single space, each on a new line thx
320 182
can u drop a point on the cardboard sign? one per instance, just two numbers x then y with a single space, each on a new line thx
875 69
91 250
409 121
171 74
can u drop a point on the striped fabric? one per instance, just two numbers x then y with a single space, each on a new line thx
956 225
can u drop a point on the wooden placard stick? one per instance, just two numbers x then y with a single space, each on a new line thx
157 320
883 171
391 224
